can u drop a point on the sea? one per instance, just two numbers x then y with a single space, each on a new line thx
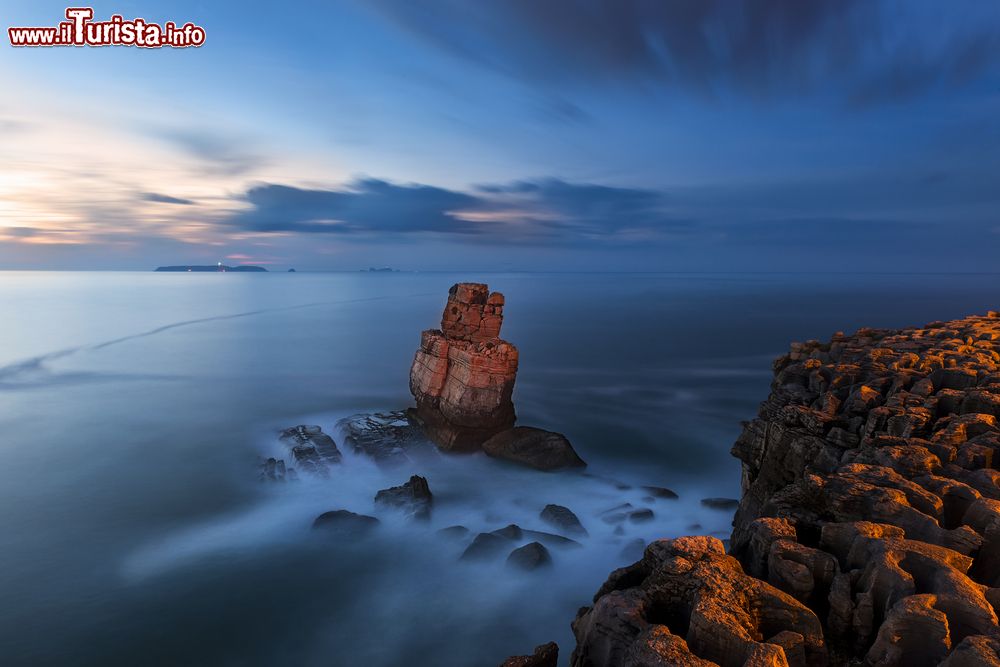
136 407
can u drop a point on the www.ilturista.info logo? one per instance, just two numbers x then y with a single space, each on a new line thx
81 30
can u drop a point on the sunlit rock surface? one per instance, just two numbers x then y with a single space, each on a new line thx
462 376
868 532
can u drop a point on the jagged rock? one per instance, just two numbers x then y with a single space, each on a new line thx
691 589
563 518
343 522
312 449
463 375
534 447
870 496
274 470
546 655
391 439
414 498
529 557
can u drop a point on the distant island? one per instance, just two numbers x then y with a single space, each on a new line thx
213 268
384 269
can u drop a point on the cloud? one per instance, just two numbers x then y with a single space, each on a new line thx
219 152
366 205
868 52
164 199
541 211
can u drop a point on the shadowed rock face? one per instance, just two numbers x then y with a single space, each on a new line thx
462 376
868 531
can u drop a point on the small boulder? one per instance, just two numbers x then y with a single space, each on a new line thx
529 557
414 498
344 522
546 655
534 447
486 546
641 516
661 492
563 518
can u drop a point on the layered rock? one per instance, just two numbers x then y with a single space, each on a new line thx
868 531
462 376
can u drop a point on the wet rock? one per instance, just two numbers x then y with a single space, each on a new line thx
516 533
485 546
546 655
563 518
641 516
661 492
312 450
529 557
391 439
343 522
414 498
274 470
726 504
534 447
462 377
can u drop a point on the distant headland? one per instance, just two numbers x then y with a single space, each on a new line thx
212 268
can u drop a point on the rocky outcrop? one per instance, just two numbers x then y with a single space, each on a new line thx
311 449
413 498
534 447
546 655
868 532
462 376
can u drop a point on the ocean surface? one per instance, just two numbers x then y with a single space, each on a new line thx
135 407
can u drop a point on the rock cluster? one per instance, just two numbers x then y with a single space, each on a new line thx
869 527
462 376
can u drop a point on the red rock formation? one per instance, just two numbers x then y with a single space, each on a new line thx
462 376
871 507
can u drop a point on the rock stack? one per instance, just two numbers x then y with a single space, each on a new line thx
462 376
869 528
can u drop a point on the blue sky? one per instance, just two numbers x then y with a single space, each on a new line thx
446 134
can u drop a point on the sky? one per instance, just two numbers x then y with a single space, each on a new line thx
615 135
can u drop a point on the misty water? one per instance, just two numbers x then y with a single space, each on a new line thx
135 407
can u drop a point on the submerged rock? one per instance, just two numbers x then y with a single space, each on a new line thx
454 532
312 449
563 518
414 498
345 522
534 447
462 377
529 557
546 655
661 492
720 503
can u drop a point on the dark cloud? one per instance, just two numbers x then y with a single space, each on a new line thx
367 205
164 199
869 52
539 211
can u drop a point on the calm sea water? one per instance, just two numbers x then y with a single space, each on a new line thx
134 407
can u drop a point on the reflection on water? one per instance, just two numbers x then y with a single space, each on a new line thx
133 529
